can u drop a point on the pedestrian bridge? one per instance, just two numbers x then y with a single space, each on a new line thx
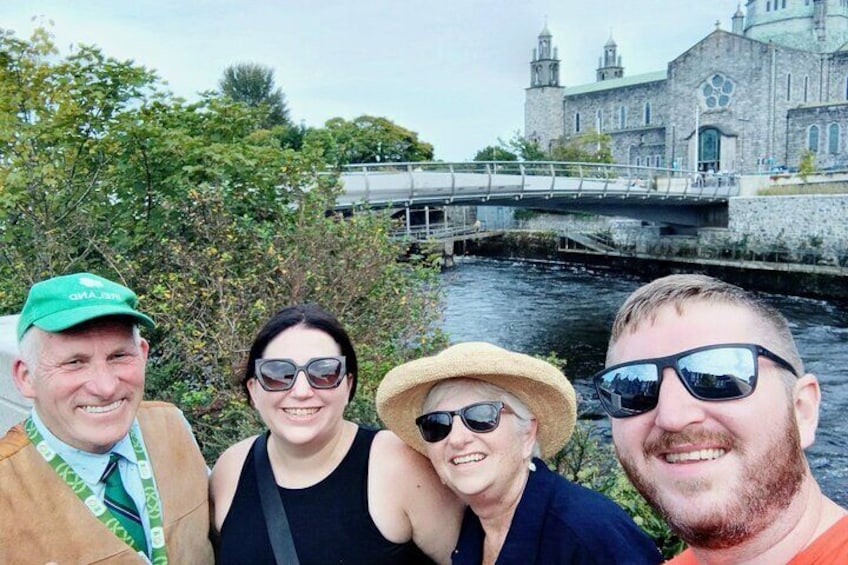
655 194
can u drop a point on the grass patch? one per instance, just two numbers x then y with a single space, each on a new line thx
806 189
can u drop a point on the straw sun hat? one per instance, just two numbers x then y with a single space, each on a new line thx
540 385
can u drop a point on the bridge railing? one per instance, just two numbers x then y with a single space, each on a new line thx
418 181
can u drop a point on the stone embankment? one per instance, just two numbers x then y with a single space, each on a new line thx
786 244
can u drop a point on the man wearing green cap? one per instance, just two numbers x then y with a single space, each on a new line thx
94 474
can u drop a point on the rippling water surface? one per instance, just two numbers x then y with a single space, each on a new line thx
539 308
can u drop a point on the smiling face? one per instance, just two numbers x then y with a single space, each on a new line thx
481 467
720 472
301 415
85 383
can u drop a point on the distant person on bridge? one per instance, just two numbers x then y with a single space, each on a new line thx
711 411
485 417
350 494
95 475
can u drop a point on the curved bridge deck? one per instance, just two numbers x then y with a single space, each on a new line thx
621 190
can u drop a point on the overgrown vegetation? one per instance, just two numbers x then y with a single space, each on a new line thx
807 165
201 210
217 221
819 188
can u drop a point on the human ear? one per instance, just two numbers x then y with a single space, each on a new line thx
251 385
530 438
806 398
22 377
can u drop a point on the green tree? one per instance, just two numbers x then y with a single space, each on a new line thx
807 165
525 149
588 147
201 211
253 85
367 139
495 153
57 118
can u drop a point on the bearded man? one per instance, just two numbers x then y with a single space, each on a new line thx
711 411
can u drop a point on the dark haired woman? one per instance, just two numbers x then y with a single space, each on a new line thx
350 495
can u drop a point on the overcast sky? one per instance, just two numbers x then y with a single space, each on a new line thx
452 70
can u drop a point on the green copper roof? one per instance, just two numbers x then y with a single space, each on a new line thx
616 83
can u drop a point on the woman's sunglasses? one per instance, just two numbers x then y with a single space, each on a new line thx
481 417
712 373
279 374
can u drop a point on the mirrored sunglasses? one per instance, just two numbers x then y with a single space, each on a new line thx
279 374
480 417
711 373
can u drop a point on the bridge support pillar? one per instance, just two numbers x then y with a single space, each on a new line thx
448 255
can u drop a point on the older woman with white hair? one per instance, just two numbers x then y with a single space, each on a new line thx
485 417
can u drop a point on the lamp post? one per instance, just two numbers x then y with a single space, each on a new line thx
741 148
697 134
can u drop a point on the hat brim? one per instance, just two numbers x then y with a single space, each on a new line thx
61 321
540 385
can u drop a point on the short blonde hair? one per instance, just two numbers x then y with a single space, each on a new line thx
679 290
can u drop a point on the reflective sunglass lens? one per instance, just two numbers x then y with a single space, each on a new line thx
277 375
434 427
725 373
629 390
325 373
481 417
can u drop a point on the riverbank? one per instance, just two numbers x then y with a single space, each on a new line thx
795 279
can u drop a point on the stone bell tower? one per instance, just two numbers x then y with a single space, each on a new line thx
543 105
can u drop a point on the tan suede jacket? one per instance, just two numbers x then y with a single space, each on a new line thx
42 520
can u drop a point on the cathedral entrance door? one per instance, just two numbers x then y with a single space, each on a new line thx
709 149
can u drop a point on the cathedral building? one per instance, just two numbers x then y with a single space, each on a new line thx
752 99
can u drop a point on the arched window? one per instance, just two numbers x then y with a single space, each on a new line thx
789 86
638 161
622 117
577 122
806 87
813 139
846 89
599 120
647 113
833 138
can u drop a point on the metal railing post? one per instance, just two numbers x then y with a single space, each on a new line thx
553 180
523 175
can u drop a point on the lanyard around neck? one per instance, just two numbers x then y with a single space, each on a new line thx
152 502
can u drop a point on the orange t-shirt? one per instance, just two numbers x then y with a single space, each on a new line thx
829 548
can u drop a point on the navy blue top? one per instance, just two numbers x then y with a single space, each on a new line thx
330 522
557 521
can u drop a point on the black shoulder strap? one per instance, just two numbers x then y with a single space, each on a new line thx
272 506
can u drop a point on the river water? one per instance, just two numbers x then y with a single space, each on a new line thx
566 309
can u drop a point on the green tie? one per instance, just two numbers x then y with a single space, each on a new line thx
121 505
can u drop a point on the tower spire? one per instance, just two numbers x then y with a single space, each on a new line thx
609 65
544 68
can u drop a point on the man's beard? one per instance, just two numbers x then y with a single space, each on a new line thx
767 487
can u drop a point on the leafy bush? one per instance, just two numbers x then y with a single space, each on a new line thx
204 213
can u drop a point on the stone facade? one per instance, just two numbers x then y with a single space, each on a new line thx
795 222
744 101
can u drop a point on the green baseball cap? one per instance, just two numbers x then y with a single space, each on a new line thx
56 304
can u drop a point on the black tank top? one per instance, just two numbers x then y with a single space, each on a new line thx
329 521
